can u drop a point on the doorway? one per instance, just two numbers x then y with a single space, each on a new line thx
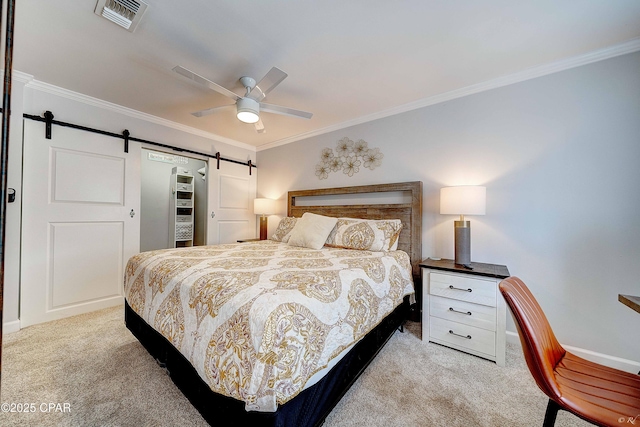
155 196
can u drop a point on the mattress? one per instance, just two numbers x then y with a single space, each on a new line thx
262 321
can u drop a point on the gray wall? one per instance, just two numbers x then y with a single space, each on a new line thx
559 156
155 196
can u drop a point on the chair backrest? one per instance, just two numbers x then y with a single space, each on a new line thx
542 351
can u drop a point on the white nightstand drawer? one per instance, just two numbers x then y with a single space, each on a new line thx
450 292
471 314
463 288
465 336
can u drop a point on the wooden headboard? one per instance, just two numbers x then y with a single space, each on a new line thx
410 213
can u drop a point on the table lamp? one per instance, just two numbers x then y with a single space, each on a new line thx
264 207
463 200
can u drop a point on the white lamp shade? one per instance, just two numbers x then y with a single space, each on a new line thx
263 206
463 200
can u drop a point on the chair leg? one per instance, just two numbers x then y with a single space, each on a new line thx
550 415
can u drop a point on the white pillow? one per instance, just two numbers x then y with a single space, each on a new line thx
311 231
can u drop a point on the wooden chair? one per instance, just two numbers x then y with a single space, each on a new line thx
598 394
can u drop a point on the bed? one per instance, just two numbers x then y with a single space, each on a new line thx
330 370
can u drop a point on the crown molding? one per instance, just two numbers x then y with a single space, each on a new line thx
89 100
630 46
20 76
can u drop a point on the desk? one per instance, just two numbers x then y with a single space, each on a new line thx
633 302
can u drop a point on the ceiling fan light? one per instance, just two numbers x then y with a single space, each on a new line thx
248 116
248 110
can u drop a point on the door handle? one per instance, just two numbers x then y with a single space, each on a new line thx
213 214
132 213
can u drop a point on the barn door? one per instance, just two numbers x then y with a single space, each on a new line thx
230 201
81 222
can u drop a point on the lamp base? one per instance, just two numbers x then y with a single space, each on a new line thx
263 227
462 231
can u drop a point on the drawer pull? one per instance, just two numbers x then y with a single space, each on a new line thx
460 289
468 313
458 335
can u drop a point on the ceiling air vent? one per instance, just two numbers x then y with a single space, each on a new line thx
126 13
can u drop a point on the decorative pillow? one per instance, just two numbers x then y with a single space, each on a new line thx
283 232
311 231
366 234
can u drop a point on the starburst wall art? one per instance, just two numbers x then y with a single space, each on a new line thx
348 157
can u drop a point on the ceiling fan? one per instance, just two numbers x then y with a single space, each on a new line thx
250 105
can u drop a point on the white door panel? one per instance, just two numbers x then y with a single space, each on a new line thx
234 192
232 230
230 199
70 282
81 223
76 174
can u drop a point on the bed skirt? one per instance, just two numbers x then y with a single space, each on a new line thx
308 409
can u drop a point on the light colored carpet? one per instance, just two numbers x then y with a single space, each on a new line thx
93 363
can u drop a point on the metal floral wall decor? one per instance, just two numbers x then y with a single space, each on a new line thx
348 157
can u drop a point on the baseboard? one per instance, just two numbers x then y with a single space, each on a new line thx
9 327
604 359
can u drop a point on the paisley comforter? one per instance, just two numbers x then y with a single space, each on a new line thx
262 321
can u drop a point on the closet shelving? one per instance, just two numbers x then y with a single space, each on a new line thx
181 208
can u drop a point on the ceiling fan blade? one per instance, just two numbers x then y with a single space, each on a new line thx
205 82
268 82
259 126
208 111
285 111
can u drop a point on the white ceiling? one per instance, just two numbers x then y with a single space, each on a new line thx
346 60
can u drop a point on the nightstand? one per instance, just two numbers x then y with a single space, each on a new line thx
247 240
463 308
